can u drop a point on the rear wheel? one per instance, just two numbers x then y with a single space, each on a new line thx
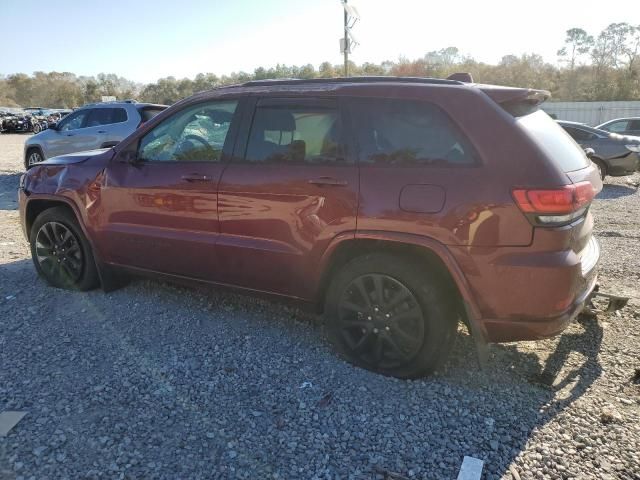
391 315
37 128
60 251
602 169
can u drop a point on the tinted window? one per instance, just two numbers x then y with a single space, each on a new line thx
106 116
617 126
197 133
149 112
554 141
99 116
634 125
404 132
304 133
579 135
118 115
73 121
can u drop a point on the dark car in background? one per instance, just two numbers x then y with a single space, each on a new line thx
622 126
614 154
394 205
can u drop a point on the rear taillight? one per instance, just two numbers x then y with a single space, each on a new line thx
141 124
555 206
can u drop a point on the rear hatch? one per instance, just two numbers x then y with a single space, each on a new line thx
564 208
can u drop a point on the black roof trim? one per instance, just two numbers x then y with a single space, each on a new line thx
370 79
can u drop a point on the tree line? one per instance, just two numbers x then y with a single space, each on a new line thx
601 67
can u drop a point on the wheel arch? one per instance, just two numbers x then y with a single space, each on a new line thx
432 253
35 206
30 148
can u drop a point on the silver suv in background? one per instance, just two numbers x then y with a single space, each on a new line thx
94 126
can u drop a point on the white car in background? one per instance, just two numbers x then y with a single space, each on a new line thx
97 125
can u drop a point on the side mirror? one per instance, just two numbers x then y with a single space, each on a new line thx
53 126
128 156
590 152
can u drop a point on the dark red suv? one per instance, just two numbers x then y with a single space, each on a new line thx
398 206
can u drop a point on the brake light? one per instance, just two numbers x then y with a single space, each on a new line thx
141 124
555 206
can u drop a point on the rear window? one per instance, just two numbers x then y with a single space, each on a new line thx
148 113
554 141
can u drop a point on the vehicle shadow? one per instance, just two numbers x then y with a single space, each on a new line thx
9 190
552 384
261 353
612 191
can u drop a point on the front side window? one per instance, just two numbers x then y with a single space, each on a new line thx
617 127
289 133
407 133
196 133
634 125
73 121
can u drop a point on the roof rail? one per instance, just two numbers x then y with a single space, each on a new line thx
364 79
111 101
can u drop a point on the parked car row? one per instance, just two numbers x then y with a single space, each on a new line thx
30 120
94 126
396 206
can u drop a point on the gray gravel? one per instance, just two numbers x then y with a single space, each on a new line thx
157 381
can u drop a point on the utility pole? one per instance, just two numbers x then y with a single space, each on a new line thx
346 41
351 16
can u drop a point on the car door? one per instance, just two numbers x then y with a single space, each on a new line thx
159 212
67 137
96 131
290 189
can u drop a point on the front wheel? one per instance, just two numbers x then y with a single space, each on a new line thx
391 315
33 158
60 251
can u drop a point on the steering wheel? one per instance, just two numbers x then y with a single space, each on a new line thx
197 139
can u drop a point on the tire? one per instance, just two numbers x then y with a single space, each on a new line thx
60 251
406 335
34 156
602 168
37 128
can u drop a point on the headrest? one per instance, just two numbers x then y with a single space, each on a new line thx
276 119
220 116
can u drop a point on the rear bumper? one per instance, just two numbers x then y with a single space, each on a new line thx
522 294
537 329
623 165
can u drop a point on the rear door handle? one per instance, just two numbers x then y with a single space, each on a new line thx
196 177
328 181
102 131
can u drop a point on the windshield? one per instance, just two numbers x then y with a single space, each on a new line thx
555 142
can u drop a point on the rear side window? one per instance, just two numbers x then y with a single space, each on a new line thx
634 125
554 141
106 116
119 115
407 133
580 135
293 133
148 113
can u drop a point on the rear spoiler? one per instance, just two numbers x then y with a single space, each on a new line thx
516 101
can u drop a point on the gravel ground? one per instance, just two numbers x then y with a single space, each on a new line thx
157 381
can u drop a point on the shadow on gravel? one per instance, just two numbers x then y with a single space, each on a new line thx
557 383
9 190
252 384
615 191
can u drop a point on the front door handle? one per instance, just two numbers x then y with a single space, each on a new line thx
328 181
102 131
196 177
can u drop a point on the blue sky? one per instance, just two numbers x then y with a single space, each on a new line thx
144 40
